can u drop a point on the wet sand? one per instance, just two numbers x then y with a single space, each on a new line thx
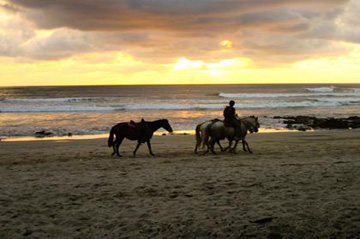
294 185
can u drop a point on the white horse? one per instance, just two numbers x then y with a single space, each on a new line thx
250 124
216 131
202 137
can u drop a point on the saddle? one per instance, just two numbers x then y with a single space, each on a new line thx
227 123
133 125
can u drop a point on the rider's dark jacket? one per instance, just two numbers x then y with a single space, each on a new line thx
229 113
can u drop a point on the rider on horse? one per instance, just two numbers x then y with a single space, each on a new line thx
231 118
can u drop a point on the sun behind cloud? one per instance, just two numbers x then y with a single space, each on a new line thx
227 44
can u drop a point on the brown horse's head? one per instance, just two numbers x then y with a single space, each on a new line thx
165 124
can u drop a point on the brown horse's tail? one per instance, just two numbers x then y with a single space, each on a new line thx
111 137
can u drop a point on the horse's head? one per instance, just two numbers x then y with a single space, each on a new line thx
166 125
255 124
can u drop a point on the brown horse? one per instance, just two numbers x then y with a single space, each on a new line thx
142 132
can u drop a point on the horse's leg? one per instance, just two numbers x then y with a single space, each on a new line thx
244 145
117 146
211 145
229 147
207 149
149 146
114 150
248 147
137 146
197 145
234 148
221 148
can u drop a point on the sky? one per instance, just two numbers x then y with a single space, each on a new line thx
101 42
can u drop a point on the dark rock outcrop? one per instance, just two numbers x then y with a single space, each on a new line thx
306 122
43 133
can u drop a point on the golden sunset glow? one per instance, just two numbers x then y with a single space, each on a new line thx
227 44
47 50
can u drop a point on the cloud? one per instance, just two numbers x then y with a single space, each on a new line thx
167 15
164 30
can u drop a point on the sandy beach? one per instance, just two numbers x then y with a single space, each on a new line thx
294 185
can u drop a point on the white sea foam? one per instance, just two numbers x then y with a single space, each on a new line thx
312 102
321 89
354 90
285 95
341 101
54 109
58 100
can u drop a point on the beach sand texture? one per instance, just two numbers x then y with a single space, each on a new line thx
294 185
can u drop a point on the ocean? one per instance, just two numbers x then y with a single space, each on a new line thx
93 110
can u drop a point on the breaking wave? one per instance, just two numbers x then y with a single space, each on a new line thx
314 102
286 95
321 89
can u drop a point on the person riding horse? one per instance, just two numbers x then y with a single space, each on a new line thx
231 118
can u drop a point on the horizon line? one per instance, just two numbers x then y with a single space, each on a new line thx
305 83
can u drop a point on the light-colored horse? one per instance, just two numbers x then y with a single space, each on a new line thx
252 125
202 137
216 131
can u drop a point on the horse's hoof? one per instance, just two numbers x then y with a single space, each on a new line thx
119 155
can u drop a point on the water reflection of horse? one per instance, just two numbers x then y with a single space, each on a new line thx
142 132
216 131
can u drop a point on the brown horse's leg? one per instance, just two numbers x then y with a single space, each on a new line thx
149 146
114 150
116 146
137 146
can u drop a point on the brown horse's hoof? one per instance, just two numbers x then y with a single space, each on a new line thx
119 155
